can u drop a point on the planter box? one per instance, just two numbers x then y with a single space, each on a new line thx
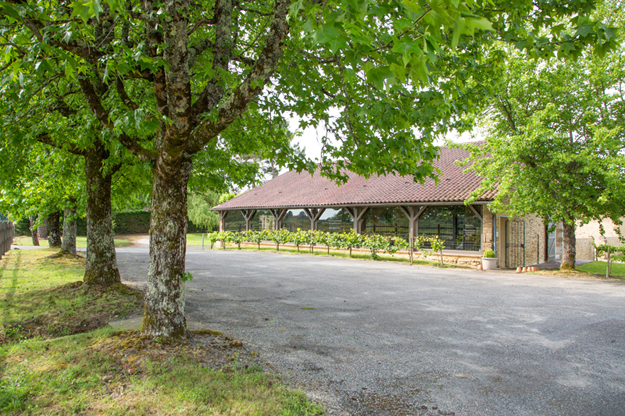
489 263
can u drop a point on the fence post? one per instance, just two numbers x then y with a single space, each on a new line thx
607 266
6 237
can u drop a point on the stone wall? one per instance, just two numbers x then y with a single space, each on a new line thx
592 229
584 248
468 261
589 234
534 239
487 229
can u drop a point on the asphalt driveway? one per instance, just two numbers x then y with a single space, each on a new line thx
377 338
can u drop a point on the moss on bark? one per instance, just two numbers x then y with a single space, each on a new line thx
101 267
164 311
568 247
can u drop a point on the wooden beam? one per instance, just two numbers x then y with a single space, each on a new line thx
278 216
248 214
318 215
222 220
351 213
308 213
476 212
421 211
362 213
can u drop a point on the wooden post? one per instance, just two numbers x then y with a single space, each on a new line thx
314 214
222 220
278 216
413 224
607 265
248 214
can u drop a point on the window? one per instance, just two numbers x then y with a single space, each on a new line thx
234 221
335 221
294 219
457 225
386 221
262 220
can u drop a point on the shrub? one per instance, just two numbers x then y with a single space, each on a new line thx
488 254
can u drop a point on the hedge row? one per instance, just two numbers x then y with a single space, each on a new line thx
373 242
130 222
133 222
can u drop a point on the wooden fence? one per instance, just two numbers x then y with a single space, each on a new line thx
6 237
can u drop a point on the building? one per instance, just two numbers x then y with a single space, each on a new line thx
394 205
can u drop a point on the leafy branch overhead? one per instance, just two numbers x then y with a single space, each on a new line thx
173 83
371 60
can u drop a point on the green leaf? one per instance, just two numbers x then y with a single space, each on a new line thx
479 23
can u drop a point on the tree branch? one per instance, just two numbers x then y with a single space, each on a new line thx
255 81
103 117
46 139
222 53
123 95
199 23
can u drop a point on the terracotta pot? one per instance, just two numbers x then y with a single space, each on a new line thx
519 269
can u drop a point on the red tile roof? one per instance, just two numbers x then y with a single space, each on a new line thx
300 190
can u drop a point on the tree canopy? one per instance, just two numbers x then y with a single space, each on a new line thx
165 80
556 140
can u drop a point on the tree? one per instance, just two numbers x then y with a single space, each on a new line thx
555 144
39 182
199 209
186 72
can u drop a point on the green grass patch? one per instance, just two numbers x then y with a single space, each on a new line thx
195 240
80 241
44 370
43 297
321 251
598 267
307 308
104 372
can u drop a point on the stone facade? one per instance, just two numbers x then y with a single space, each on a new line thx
533 241
487 229
589 234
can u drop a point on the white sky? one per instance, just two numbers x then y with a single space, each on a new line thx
310 139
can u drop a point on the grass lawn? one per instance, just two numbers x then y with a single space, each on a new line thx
598 267
58 356
195 240
43 297
80 241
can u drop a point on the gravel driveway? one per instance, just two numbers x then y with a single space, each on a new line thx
390 339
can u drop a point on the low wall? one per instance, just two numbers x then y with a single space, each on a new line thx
468 260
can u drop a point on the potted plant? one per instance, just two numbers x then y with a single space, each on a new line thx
489 261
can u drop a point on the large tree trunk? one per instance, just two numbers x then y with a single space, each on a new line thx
164 311
33 231
69 231
568 246
101 268
42 231
54 229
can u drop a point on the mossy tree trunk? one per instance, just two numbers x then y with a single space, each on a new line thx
54 229
164 310
33 231
568 247
69 230
101 267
